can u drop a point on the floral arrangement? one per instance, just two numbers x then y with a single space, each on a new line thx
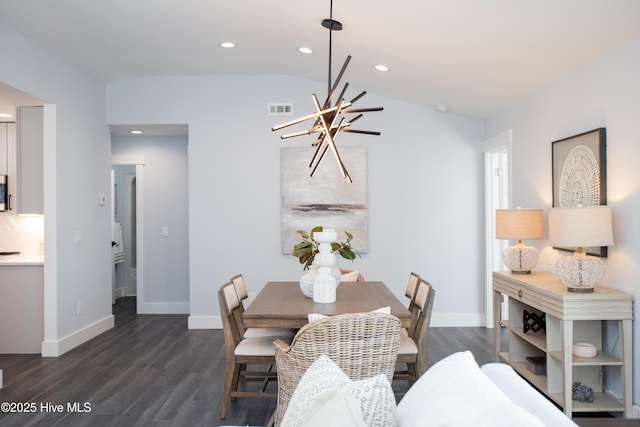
307 249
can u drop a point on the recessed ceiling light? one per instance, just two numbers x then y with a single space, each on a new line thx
381 68
442 108
136 132
5 115
227 44
305 50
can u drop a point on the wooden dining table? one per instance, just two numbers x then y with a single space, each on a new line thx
283 305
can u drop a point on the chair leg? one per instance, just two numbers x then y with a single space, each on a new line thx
272 420
230 377
413 373
235 379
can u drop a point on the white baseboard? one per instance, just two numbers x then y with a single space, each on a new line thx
58 348
119 292
457 320
205 322
164 308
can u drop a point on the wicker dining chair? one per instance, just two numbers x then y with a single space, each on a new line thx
413 346
344 271
361 344
241 291
241 351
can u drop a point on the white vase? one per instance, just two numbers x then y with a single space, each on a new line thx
325 283
306 281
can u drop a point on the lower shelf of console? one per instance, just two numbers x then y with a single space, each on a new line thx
602 402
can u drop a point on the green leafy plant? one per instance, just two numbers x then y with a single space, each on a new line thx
307 249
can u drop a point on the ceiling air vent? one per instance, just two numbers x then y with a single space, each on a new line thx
280 109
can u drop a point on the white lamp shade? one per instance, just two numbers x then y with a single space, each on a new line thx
520 224
580 226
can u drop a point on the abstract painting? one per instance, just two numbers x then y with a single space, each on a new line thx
326 199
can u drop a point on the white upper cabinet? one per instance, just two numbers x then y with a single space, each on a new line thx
30 179
8 161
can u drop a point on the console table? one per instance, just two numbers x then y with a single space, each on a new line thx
569 317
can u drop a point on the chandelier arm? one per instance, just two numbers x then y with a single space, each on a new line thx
344 90
363 93
337 82
311 165
331 143
329 136
366 132
361 110
355 118
305 118
301 133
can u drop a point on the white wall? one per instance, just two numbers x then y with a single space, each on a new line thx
604 93
166 203
425 187
76 168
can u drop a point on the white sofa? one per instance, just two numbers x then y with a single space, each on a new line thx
453 392
457 392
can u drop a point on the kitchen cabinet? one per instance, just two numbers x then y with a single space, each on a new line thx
8 160
569 317
30 154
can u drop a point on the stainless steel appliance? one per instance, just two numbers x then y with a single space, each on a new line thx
3 192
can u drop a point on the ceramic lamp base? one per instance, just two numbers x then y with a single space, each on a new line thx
520 259
580 272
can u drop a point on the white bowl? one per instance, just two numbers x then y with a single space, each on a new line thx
584 349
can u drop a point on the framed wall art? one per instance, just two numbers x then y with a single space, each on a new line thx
579 168
326 199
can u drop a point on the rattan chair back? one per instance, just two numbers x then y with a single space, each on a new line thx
346 270
361 344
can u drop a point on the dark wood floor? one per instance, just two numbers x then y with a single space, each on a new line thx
150 370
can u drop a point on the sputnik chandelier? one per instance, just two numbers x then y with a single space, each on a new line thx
329 118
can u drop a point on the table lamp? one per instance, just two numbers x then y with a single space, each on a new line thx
520 224
580 227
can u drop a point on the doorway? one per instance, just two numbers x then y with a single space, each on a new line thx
127 202
125 229
497 196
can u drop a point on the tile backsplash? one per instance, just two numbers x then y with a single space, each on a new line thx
21 233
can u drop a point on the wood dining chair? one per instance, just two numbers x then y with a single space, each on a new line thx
241 291
410 292
241 351
413 346
361 344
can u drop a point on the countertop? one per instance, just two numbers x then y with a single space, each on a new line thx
22 259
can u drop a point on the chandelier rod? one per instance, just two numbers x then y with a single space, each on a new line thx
330 44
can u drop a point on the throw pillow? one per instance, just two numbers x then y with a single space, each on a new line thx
325 389
334 408
322 375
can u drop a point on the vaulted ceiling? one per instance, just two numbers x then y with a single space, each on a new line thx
476 57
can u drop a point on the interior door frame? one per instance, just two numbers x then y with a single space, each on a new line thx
138 161
495 198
